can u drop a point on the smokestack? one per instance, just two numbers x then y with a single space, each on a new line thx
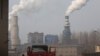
66 32
15 41
75 5
66 17
67 21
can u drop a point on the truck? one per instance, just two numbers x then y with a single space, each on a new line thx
41 50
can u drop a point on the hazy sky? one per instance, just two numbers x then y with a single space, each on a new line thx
50 18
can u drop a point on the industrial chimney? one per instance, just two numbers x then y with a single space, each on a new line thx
14 33
66 32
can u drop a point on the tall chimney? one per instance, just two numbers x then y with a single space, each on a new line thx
67 24
66 32
15 41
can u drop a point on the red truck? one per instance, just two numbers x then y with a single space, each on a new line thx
41 50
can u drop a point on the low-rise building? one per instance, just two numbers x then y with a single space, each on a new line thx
35 38
67 50
51 39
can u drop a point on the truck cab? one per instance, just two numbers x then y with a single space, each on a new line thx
41 50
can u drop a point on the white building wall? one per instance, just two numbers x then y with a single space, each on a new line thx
66 51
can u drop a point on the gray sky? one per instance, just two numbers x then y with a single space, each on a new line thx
50 18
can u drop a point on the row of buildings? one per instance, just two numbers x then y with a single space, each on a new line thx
65 46
39 38
68 45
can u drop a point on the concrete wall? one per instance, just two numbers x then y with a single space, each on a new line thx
66 51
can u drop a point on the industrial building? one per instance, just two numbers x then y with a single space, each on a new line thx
51 39
67 50
35 38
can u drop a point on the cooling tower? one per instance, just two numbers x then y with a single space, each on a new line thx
14 33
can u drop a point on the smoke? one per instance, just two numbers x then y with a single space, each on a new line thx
24 5
75 5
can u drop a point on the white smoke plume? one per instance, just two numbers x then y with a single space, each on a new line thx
75 5
24 5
